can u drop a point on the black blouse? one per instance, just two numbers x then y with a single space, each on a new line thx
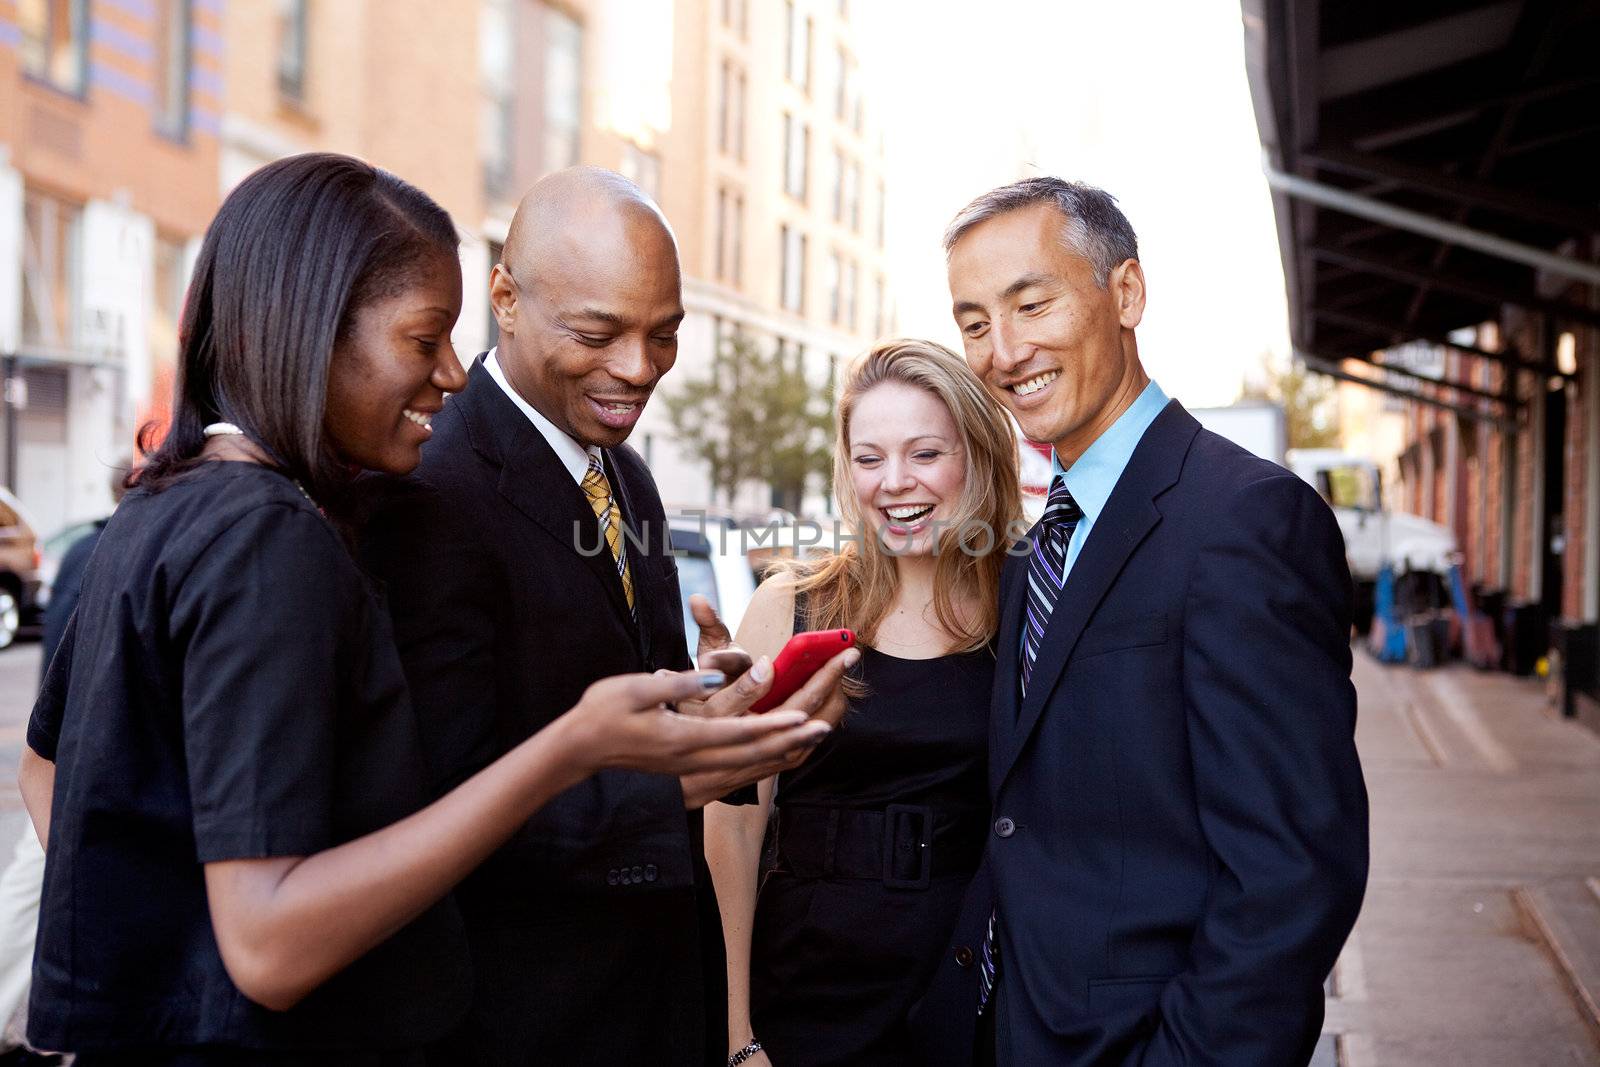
228 689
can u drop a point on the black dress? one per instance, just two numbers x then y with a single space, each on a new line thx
228 689
876 837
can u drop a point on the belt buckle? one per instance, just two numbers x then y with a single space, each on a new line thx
924 846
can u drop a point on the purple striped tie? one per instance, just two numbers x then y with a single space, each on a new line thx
1046 564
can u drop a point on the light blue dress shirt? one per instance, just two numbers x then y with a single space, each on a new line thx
1095 475
1092 479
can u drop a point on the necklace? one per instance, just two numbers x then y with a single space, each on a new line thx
228 429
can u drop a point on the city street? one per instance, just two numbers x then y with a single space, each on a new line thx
19 680
1479 944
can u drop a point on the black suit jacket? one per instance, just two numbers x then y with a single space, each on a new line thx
595 932
1185 848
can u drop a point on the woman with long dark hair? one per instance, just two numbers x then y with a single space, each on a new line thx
242 866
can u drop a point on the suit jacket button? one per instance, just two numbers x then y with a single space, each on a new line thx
650 872
964 956
1004 827
638 875
611 876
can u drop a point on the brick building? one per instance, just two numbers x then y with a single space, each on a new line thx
109 120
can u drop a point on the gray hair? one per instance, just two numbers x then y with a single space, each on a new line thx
1093 226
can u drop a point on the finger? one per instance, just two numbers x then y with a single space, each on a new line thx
713 631
649 690
833 708
737 698
814 694
688 736
732 661
761 757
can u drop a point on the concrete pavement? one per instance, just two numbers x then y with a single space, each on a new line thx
1479 941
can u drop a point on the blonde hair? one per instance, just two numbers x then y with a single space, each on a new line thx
855 586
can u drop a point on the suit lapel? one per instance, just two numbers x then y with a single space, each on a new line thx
535 481
1005 703
1127 519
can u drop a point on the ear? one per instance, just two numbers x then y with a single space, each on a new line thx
1127 289
503 299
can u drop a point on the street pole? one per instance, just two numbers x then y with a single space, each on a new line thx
9 386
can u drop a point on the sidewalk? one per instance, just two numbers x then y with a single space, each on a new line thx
1479 941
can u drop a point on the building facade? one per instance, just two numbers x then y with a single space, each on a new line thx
124 122
109 121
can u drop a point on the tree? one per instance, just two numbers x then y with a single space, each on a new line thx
756 418
1309 402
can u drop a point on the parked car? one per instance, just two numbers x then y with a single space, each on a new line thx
711 560
19 567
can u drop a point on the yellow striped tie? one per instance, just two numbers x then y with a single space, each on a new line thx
598 490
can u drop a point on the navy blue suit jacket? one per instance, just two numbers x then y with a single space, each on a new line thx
1186 848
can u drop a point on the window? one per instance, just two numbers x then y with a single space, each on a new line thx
730 113
739 82
797 57
835 279
292 49
730 236
172 67
883 212
736 241
722 235
796 150
496 85
55 42
736 15
50 253
841 96
839 167
793 282
878 309
166 299
725 108
492 332
852 194
563 95
850 284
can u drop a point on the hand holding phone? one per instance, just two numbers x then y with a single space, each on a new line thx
802 656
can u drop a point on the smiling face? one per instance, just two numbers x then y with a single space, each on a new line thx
907 465
392 369
589 320
1056 349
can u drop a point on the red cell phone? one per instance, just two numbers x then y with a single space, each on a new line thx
802 656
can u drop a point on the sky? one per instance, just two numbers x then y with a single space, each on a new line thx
1144 98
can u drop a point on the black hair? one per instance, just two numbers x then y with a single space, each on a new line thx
294 253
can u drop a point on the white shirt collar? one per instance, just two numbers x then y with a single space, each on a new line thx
573 456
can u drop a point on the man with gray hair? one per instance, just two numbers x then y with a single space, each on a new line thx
1179 844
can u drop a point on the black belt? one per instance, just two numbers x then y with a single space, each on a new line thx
903 845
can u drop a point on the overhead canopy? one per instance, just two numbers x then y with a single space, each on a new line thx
1431 162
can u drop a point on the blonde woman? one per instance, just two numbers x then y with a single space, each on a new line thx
879 832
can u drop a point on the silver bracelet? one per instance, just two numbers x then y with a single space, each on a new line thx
743 1054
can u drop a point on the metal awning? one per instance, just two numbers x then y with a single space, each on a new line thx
1432 163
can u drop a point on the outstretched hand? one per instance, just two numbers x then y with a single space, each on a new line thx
625 722
821 699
